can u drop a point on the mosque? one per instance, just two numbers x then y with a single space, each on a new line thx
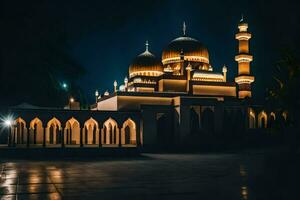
177 100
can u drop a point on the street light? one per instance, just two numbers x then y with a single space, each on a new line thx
72 99
8 123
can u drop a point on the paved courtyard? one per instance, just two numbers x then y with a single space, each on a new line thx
154 176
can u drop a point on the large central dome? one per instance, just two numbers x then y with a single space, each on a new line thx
192 49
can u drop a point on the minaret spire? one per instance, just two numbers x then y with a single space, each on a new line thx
147 45
184 28
242 18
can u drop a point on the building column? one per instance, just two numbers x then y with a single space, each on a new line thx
120 136
100 137
44 137
28 137
138 134
14 136
9 136
81 137
62 137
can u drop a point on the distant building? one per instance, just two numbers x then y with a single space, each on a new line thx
167 102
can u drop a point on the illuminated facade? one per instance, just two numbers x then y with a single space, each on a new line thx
173 101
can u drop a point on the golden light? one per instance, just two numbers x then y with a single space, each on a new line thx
72 99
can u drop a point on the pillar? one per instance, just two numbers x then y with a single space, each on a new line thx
100 136
120 136
44 137
62 138
138 134
28 137
81 137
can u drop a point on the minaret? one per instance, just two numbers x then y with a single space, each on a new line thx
244 78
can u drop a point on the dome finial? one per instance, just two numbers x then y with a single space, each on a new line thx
147 45
184 28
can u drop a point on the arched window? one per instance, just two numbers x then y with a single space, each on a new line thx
72 132
207 121
53 131
252 118
272 119
110 132
194 121
91 128
128 132
262 119
20 131
36 131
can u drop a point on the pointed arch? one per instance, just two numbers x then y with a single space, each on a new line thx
207 120
91 131
72 132
21 131
53 131
128 132
110 132
262 119
272 119
285 115
36 131
252 118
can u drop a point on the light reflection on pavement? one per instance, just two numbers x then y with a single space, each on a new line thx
155 176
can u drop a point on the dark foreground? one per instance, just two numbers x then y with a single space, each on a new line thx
153 176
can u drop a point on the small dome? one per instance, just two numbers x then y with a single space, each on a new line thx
192 49
146 64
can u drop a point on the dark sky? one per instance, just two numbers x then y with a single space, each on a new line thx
104 36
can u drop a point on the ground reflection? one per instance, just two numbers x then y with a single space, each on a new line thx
200 177
244 179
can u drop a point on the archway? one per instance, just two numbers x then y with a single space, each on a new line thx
194 121
272 119
53 132
262 119
72 132
128 132
207 121
20 131
36 131
110 132
91 132
252 118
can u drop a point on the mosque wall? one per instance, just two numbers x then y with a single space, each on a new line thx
214 90
110 104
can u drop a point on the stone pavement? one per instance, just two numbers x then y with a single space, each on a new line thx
154 176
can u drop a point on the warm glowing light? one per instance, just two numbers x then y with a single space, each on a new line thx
96 93
244 79
188 58
243 36
72 99
146 73
243 58
202 76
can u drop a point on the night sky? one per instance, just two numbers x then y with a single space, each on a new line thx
104 36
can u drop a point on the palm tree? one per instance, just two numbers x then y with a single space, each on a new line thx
285 92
